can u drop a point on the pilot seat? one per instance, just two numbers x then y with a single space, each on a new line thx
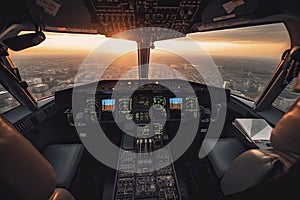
26 174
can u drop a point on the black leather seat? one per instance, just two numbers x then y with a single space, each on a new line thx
65 159
24 173
240 170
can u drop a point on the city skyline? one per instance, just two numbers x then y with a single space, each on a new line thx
244 76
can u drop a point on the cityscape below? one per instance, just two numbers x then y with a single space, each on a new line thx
244 76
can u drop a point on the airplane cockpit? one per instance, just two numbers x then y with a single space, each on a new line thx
149 100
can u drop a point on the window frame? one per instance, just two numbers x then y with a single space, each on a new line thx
16 87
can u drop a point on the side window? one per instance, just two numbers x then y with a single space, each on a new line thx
286 99
246 57
52 65
7 101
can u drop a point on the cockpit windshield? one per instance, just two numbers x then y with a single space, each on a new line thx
244 58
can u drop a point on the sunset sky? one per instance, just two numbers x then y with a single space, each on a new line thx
260 41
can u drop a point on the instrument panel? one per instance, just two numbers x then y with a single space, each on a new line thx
154 101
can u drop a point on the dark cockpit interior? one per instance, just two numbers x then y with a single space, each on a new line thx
144 124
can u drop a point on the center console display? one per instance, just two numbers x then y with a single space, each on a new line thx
108 105
175 103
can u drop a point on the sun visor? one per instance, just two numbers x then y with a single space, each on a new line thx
24 41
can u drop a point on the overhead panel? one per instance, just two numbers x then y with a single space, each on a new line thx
116 16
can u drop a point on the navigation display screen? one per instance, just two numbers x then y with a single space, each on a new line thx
108 105
176 103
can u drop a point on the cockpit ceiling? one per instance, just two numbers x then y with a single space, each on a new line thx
111 17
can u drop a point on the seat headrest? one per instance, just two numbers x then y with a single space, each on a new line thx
285 136
24 173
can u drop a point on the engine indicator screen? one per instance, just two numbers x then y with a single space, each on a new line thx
176 103
142 102
108 105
